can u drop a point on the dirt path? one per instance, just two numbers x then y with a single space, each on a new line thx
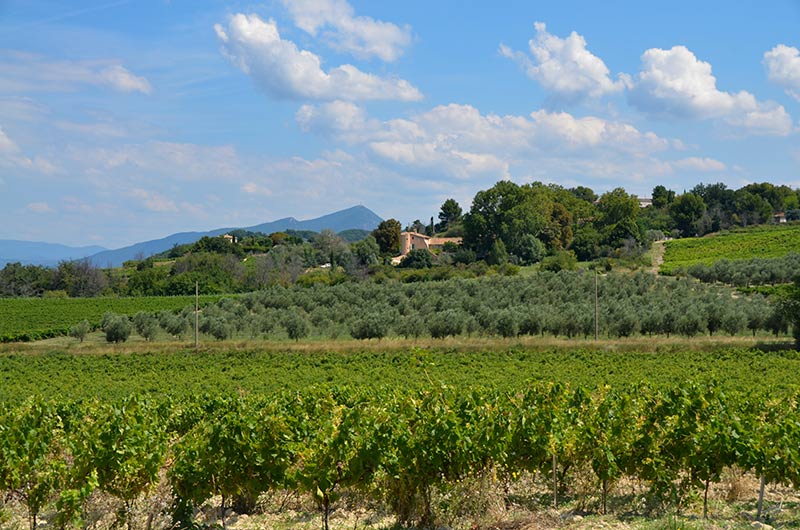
657 254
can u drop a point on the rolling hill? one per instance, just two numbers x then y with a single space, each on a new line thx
357 217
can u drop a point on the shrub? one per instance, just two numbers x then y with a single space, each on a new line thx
80 330
116 327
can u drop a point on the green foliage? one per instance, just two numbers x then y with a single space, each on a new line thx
296 326
116 327
449 214
146 325
387 236
80 330
26 319
405 445
372 326
417 259
564 260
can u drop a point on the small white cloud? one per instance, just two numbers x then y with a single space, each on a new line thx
120 78
674 83
342 119
39 207
7 145
153 201
251 188
336 23
279 68
29 72
698 164
783 68
565 67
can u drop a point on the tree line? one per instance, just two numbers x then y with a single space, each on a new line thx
506 224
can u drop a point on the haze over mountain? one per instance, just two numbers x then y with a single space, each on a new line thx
38 253
356 217
49 254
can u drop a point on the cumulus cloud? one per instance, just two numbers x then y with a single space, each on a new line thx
25 72
282 70
565 67
674 83
460 142
699 164
336 23
783 68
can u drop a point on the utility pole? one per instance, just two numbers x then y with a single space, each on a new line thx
196 312
596 311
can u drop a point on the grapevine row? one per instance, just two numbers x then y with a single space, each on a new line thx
398 447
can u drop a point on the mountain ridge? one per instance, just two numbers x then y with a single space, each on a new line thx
358 216
354 217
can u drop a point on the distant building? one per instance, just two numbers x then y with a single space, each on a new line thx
414 241
644 202
779 218
230 238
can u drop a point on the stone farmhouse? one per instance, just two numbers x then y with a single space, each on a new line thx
414 241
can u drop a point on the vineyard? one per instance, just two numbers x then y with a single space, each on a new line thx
407 452
771 241
26 319
229 372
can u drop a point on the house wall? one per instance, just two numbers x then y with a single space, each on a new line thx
412 241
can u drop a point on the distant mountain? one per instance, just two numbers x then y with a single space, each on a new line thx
357 217
36 253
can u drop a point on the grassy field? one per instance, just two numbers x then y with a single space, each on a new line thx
771 241
36 318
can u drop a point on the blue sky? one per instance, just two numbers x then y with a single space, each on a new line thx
123 121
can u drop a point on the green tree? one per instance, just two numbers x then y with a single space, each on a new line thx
618 214
367 251
296 326
117 328
146 325
449 214
80 330
686 210
662 197
387 236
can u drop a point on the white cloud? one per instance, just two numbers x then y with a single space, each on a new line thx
457 141
120 78
565 67
25 72
7 145
336 23
674 83
178 161
12 156
783 68
39 207
251 188
279 68
153 201
699 164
